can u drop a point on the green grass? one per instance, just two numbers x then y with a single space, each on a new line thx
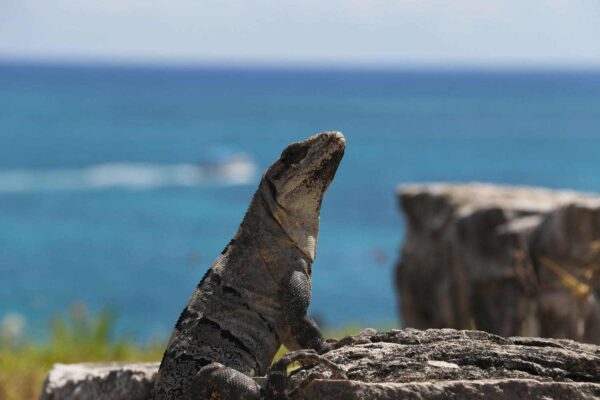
75 337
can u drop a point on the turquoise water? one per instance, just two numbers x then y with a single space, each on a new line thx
97 204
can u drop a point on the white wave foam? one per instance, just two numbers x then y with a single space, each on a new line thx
238 170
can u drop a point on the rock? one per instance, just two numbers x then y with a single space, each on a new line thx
508 389
507 260
407 364
114 381
438 364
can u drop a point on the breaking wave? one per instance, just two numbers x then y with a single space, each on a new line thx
239 170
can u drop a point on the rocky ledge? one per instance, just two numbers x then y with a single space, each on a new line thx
407 364
93 381
515 261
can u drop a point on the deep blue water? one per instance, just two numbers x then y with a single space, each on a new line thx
67 234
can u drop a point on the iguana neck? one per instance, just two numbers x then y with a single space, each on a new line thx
267 219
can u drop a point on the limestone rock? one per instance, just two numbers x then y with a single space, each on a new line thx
507 389
407 364
438 364
507 260
88 381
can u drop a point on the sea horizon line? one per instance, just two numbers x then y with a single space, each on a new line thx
287 66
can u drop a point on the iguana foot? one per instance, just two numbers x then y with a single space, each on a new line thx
218 382
277 377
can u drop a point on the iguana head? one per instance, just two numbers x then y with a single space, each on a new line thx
294 186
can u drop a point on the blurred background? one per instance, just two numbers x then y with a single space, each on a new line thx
133 134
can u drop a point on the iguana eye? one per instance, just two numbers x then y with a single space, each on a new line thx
294 153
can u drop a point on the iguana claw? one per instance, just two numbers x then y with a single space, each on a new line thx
277 378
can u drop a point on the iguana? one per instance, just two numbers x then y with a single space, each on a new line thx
256 294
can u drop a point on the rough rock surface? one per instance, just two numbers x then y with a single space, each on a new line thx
408 364
114 381
508 260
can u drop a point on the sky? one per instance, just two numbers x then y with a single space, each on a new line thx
311 32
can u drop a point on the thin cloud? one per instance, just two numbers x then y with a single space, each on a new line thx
463 32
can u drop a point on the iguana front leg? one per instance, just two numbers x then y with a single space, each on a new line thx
216 381
297 330
277 378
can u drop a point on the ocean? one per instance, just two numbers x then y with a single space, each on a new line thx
119 186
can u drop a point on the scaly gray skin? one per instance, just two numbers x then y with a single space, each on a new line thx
255 296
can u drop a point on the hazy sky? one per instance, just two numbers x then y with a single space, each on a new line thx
404 32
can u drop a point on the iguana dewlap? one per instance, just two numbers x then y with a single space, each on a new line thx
255 296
